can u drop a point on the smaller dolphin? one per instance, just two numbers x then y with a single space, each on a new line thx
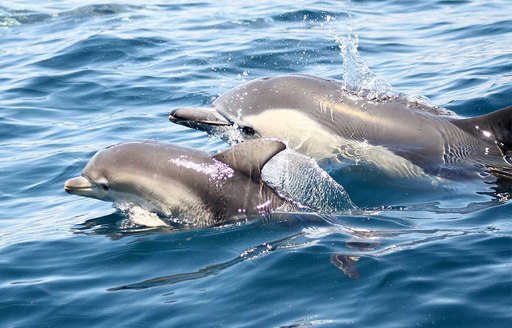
320 118
183 182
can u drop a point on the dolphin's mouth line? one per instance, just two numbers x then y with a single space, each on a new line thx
179 120
70 188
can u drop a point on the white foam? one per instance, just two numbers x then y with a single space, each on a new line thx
140 216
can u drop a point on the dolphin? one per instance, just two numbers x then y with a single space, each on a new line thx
182 182
320 117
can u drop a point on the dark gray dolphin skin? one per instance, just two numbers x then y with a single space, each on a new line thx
319 117
183 182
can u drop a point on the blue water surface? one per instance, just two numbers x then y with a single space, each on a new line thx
77 76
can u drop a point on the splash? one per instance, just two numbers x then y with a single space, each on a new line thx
8 21
357 76
139 216
215 171
299 177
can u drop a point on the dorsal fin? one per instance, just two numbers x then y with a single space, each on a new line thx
497 125
249 157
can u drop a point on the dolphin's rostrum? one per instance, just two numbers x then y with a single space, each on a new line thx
183 182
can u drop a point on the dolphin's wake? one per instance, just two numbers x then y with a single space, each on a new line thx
300 178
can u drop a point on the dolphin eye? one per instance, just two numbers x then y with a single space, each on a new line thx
104 186
248 130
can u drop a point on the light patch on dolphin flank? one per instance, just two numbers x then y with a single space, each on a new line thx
309 137
302 133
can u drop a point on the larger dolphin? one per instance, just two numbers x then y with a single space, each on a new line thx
320 117
183 182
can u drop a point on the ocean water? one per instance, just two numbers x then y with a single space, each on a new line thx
77 76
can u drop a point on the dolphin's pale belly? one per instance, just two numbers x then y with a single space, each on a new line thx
307 136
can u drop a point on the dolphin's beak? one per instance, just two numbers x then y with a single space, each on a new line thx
213 121
79 186
204 119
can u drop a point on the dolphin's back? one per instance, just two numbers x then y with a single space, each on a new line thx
290 91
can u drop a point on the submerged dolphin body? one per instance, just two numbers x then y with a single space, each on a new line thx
320 118
183 182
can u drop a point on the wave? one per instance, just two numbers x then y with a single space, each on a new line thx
15 17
